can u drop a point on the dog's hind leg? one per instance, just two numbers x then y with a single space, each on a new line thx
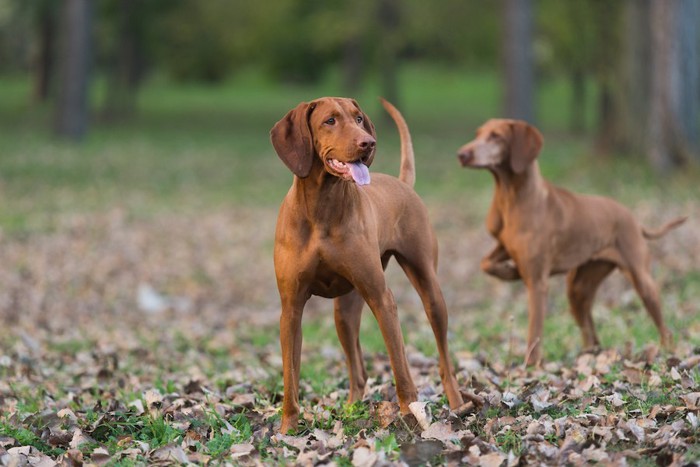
422 275
348 315
582 285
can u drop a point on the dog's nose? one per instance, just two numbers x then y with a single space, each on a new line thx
367 143
465 156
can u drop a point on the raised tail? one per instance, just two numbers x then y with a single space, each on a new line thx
407 171
654 234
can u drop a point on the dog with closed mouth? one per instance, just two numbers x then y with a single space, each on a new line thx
337 228
542 230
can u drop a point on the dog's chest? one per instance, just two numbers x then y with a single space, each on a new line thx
329 283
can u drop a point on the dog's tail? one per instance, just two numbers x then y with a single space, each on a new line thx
654 234
407 172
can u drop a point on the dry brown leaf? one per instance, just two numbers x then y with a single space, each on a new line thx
170 453
690 362
493 459
675 375
421 412
386 413
364 457
79 438
443 432
636 430
241 450
692 400
244 400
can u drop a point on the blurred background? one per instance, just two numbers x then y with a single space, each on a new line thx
622 78
136 171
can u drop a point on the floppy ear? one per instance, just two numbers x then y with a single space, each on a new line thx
525 145
291 138
369 128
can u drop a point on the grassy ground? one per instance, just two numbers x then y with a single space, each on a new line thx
139 306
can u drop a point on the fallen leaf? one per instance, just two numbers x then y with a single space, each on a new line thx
420 411
510 399
171 453
443 432
241 450
691 400
675 376
538 404
493 459
386 413
364 457
636 430
79 438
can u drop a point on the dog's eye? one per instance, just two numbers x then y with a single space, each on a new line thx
330 121
494 136
359 119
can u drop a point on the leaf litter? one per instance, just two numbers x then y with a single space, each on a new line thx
154 341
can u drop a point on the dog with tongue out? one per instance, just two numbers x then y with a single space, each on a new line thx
336 231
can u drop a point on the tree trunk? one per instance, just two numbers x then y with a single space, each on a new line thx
75 48
352 64
610 132
125 73
635 71
518 59
670 138
578 102
608 139
43 71
689 42
389 19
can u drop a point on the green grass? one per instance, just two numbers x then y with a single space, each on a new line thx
195 146
27 438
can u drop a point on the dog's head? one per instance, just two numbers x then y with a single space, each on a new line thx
334 129
514 144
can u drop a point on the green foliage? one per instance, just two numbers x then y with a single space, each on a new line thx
355 417
226 433
509 440
26 437
200 40
298 40
389 446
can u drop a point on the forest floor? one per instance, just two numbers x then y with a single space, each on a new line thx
138 341
139 311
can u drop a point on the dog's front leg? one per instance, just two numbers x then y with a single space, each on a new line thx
537 308
499 264
290 341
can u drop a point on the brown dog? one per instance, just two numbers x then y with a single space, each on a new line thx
544 230
336 231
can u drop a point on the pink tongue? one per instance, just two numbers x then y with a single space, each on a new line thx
359 172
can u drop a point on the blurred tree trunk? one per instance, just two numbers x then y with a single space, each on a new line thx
389 19
577 123
635 74
518 59
44 64
74 56
352 64
674 72
127 65
575 16
353 48
610 136
689 19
